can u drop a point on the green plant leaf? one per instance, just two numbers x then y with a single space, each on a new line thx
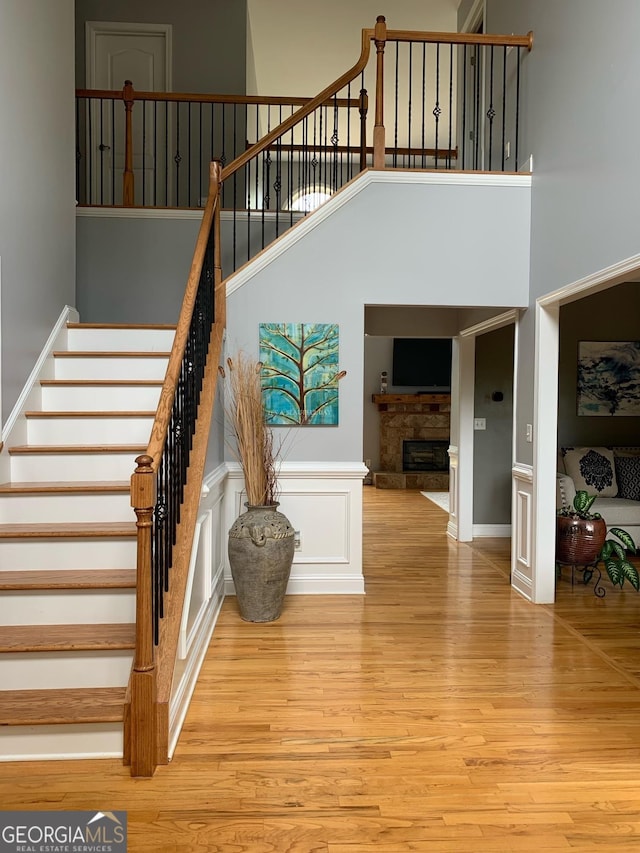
631 574
582 500
607 548
619 550
625 538
614 570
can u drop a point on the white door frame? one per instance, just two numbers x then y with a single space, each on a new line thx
462 500
545 415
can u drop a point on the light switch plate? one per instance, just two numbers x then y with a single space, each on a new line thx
479 423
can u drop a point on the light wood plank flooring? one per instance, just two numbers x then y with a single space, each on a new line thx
441 712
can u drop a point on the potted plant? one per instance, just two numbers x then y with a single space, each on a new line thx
261 540
581 541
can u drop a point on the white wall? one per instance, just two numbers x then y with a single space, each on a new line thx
37 180
297 47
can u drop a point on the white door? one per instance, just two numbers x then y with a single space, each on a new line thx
117 52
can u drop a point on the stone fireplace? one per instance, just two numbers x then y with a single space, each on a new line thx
414 438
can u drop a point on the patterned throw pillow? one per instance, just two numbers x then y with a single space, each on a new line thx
628 474
592 469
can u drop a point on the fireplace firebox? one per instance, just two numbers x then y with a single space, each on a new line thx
425 455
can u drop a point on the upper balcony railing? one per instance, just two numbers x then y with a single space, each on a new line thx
442 101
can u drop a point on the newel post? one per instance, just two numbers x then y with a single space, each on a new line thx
128 97
363 108
143 717
380 38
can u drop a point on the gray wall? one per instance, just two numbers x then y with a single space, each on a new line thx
579 85
37 199
492 457
613 315
375 250
209 39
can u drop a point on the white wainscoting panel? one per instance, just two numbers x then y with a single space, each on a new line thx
205 594
452 526
522 514
323 501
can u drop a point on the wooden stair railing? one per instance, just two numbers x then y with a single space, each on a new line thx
165 495
165 492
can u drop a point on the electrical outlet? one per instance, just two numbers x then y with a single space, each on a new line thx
479 423
297 540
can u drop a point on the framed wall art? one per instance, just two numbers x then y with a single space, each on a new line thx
300 373
609 378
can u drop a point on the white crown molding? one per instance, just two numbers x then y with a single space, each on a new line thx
305 470
617 273
521 471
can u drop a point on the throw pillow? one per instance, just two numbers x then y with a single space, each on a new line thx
592 469
628 474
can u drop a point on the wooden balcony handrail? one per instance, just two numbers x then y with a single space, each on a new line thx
463 38
191 97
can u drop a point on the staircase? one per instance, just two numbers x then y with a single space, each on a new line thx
68 545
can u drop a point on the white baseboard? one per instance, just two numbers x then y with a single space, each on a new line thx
522 584
487 531
316 585
452 530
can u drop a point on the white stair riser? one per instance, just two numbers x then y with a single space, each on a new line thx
62 508
42 743
90 398
122 340
42 554
89 430
67 607
116 367
33 467
48 670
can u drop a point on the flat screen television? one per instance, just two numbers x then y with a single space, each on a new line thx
423 363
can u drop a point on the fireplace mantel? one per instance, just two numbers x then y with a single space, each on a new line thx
410 417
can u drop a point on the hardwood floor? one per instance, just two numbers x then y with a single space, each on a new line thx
441 712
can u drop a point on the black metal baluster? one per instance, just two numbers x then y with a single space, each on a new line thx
491 113
409 105
395 126
349 169
113 151
177 158
155 153
144 149
504 104
200 156
189 150
334 143
223 156
103 148
462 143
517 107
479 56
437 110
450 106
424 104
166 153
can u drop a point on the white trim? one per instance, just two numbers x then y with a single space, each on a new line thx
350 584
493 323
0 349
214 478
475 16
95 28
68 315
464 481
498 531
523 472
626 270
314 470
349 191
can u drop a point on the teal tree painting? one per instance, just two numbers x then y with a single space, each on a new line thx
300 372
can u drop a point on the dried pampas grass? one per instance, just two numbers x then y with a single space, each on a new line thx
254 443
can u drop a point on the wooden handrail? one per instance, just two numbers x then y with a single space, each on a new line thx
167 394
191 97
143 732
304 111
463 38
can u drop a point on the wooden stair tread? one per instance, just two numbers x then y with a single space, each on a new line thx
90 414
69 705
163 326
66 487
78 448
73 353
68 579
72 530
102 383
57 638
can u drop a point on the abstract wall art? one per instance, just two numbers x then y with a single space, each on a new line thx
609 378
300 373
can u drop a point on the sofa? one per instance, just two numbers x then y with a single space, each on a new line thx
613 473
